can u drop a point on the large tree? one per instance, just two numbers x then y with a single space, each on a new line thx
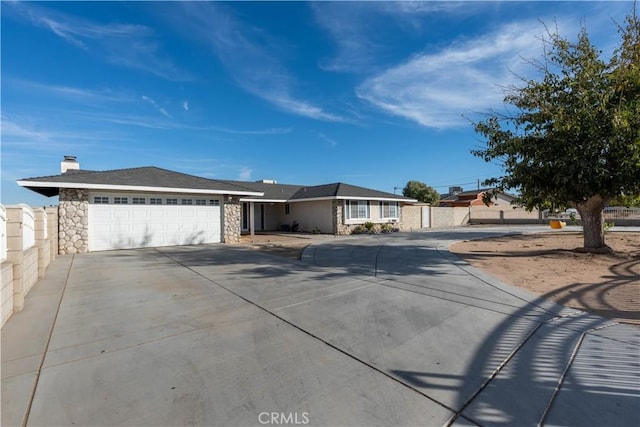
574 139
421 192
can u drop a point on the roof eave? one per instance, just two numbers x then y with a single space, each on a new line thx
41 185
377 199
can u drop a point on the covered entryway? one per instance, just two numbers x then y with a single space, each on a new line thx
124 226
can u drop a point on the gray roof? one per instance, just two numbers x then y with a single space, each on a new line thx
271 191
288 192
341 190
149 176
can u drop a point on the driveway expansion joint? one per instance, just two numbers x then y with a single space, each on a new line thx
314 336
25 419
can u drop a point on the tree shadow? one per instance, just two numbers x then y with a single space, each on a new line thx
596 297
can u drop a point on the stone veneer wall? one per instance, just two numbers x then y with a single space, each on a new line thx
73 221
337 220
232 215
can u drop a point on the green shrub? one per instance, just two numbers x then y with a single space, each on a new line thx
386 228
359 229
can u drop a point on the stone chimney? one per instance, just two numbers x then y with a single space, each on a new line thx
69 162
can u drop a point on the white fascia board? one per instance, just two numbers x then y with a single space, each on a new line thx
245 199
377 199
132 188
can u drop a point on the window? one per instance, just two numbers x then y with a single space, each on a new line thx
389 210
120 200
287 209
187 202
155 201
138 200
357 209
172 201
201 202
214 202
100 200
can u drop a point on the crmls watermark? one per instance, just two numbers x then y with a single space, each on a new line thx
283 418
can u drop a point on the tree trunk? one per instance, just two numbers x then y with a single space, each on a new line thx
591 213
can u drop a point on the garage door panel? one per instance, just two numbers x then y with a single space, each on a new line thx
133 226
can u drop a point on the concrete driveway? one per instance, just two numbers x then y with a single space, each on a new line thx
382 330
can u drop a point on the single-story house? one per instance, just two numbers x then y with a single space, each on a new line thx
473 198
150 206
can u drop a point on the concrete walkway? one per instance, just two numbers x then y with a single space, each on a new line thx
380 330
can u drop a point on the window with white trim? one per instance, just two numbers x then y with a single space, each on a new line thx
100 200
389 210
201 202
214 202
120 200
357 209
187 202
138 200
172 201
155 201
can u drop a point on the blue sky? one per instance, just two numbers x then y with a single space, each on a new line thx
369 93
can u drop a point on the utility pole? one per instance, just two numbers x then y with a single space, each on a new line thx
396 188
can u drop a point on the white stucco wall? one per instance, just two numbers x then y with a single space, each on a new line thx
313 214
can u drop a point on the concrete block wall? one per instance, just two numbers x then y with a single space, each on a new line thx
3 233
42 240
411 217
449 217
6 291
28 254
504 214
52 230
29 270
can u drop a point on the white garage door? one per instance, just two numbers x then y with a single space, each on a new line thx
138 226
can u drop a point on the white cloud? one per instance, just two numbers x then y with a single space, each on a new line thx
251 57
332 142
127 45
185 105
245 174
77 94
436 89
155 105
355 28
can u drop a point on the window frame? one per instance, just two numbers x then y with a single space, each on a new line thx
389 204
358 204
103 200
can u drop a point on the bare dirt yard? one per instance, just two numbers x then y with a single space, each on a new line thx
286 245
548 265
545 264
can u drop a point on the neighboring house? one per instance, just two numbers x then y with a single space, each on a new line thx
150 206
473 198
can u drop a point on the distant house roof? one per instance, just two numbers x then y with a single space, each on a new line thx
471 197
151 178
